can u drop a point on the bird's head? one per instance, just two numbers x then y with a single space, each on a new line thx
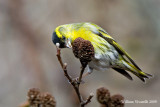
61 36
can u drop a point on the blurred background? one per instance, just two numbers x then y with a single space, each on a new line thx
28 56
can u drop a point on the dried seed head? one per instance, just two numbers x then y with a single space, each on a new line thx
48 100
75 46
34 96
37 99
83 49
117 101
86 51
103 95
33 92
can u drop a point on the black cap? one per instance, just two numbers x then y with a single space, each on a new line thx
56 39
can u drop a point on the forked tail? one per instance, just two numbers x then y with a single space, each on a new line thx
136 71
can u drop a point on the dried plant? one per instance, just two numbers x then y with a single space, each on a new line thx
83 50
38 99
116 101
106 100
103 95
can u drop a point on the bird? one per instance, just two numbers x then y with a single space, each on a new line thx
107 52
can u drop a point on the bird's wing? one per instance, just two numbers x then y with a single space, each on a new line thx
124 73
100 32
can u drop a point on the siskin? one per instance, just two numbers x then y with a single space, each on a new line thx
107 52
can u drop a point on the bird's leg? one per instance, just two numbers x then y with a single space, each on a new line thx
85 74
90 70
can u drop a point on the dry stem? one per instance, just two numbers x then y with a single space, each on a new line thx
74 82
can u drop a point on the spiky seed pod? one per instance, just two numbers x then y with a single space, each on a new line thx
75 46
83 49
116 101
103 95
86 51
37 99
34 97
48 100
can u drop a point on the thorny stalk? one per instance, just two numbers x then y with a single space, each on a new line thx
74 82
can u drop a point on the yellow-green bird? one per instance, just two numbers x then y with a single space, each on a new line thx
108 53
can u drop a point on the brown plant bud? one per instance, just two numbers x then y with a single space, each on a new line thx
48 100
34 97
83 49
75 46
37 99
116 101
103 95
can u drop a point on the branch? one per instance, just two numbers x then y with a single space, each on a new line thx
74 82
88 100
66 73
58 55
81 73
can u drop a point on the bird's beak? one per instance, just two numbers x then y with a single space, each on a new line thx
68 44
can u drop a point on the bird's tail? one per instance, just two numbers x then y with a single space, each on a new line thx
136 71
